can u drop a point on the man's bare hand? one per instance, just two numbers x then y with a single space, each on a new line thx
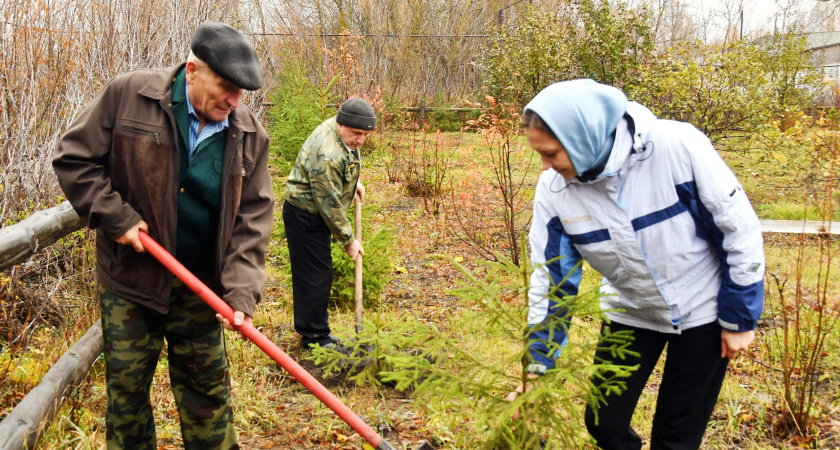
239 318
360 191
132 237
354 249
732 342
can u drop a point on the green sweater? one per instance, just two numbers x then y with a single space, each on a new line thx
199 191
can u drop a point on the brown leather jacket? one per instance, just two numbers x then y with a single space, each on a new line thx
118 163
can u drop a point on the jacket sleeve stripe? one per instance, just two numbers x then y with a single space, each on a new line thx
590 237
562 259
687 192
547 336
658 216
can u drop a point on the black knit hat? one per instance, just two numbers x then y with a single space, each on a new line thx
228 53
356 113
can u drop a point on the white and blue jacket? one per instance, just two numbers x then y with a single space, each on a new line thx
666 223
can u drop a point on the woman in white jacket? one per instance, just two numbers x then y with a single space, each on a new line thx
652 207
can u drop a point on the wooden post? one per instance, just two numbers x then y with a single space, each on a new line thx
27 422
422 113
19 241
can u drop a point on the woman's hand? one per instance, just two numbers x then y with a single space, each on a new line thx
732 342
520 390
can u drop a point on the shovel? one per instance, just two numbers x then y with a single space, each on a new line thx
359 303
271 349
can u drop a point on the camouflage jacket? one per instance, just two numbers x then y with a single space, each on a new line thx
324 179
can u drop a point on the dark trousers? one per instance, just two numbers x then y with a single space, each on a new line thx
312 271
691 382
133 336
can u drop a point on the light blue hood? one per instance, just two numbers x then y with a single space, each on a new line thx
583 115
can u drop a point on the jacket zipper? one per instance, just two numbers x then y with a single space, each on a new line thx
142 131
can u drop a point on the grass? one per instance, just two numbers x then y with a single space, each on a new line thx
789 210
273 411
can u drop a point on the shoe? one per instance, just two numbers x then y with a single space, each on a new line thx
333 342
338 345
346 351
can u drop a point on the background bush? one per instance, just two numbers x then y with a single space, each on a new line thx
298 108
377 264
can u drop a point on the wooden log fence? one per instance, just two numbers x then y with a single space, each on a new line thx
25 425
20 241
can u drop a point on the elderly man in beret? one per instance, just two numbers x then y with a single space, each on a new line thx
318 193
173 152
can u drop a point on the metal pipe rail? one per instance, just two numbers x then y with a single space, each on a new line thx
799 227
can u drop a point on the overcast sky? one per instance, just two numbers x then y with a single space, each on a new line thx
760 16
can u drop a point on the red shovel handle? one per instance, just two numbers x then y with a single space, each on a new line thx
271 349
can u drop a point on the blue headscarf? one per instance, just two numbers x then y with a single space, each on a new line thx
583 115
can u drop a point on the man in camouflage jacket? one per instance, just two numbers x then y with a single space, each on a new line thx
319 191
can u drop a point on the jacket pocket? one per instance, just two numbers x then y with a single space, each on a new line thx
151 134
137 273
351 172
140 160
248 168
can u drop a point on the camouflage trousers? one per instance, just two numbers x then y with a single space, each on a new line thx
198 371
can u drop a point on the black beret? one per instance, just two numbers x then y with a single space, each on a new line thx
356 113
228 53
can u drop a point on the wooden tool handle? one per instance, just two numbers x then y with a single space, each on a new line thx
359 302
